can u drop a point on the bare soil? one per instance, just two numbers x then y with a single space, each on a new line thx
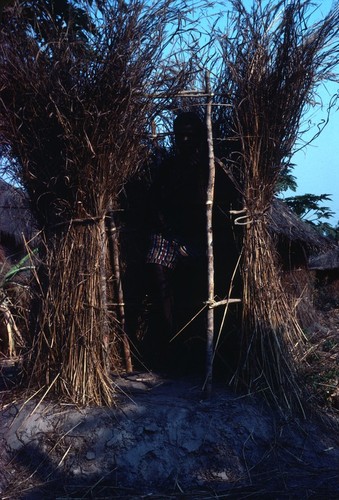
165 440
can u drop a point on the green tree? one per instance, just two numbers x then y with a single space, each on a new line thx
308 207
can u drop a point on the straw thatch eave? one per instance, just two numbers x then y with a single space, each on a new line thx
16 220
328 261
286 225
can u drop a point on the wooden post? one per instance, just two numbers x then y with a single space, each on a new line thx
210 253
103 287
113 236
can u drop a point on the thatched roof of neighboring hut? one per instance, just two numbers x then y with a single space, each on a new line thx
326 261
16 219
286 224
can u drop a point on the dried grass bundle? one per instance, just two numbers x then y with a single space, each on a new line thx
73 119
272 64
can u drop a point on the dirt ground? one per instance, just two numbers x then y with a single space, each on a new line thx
164 439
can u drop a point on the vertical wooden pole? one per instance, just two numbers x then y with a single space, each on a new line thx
103 287
113 235
209 231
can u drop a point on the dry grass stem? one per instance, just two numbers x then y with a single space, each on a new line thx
74 122
272 64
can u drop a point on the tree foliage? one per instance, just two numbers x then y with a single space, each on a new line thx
307 206
310 209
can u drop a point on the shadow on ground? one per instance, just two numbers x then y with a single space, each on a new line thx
164 440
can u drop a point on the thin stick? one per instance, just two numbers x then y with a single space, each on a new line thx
209 231
223 302
188 323
103 284
113 235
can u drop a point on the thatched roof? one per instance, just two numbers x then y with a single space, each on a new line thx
286 224
326 261
16 219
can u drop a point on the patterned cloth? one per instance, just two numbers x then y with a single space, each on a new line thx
163 251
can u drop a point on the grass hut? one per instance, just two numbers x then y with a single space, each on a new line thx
75 111
325 266
296 241
16 220
272 64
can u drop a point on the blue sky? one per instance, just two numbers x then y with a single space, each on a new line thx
317 165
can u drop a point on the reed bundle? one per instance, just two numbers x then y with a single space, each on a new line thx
73 120
272 64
